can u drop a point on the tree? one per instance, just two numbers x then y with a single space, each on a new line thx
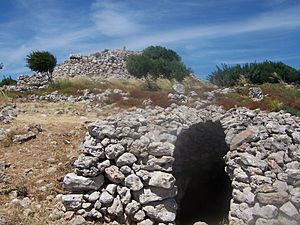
155 62
255 73
43 62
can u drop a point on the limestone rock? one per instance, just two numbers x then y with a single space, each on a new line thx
24 137
161 149
112 151
276 198
78 220
73 201
289 209
132 207
162 212
133 182
106 198
179 88
161 179
116 209
153 194
243 136
267 212
114 174
126 159
74 182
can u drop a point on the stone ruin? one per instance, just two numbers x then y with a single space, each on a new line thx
183 165
104 64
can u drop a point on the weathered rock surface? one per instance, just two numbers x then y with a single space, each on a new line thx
134 154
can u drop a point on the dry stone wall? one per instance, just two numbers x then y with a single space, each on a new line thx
104 64
124 172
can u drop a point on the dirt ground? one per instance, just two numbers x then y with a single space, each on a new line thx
35 169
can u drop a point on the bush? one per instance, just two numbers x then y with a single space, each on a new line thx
255 73
43 62
7 81
156 62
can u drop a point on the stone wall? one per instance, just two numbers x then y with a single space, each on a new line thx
104 64
125 170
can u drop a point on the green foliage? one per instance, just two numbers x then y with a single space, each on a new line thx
156 62
7 81
256 73
42 61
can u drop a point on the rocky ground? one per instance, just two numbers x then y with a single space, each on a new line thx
37 149
40 136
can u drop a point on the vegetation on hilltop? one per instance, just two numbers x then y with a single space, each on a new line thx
157 62
7 81
255 73
43 62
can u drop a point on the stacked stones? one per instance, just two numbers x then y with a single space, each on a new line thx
86 95
38 80
125 170
8 112
105 64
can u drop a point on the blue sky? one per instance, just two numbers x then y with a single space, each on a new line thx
204 33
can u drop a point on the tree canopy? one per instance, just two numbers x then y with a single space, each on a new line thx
41 61
256 73
155 62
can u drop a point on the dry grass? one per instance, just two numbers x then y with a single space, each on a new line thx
57 146
277 97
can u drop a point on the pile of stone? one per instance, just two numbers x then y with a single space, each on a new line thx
86 96
125 170
8 112
104 64
38 80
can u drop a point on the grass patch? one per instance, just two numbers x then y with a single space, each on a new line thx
277 97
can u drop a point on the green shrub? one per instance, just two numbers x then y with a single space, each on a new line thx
255 73
43 62
156 62
7 81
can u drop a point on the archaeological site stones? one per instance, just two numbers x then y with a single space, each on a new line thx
184 165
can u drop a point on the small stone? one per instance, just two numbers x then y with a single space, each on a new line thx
289 209
94 196
163 211
68 215
106 198
146 222
112 151
56 215
116 208
74 182
243 136
111 188
72 201
139 216
276 198
78 220
124 194
162 179
133 182
267 212
132 207
126 159
114 174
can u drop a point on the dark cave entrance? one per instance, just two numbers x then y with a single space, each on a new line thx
204 188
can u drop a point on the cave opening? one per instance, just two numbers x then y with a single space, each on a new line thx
204 188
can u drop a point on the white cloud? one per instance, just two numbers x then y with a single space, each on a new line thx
280 20
114 19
